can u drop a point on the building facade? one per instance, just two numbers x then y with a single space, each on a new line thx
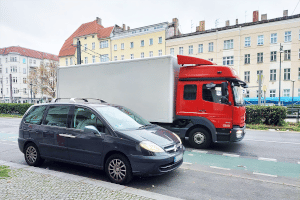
15 65
251 48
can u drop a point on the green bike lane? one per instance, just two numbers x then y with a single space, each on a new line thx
255 166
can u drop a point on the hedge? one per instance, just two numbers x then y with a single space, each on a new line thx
14 108
269 115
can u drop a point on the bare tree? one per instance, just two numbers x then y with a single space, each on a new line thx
43 79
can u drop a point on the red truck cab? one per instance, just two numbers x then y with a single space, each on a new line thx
209 103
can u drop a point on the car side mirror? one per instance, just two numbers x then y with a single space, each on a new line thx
91 130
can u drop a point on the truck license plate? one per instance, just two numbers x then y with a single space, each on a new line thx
178 158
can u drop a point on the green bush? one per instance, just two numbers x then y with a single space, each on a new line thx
269 115
14 108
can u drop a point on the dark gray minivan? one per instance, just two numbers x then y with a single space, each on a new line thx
100 135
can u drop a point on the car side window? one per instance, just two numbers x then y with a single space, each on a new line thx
35 115
57 116
213 94
190 92
84 117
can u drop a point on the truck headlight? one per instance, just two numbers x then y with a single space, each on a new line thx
239 134
150 146
178 138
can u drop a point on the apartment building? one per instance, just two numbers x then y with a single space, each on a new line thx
99 44
251 48
15 65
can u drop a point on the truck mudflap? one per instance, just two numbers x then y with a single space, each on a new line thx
233 135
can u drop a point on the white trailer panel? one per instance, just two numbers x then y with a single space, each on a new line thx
147 86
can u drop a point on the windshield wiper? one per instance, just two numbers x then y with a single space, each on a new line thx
145 126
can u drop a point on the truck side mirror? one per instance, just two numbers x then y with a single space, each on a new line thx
224 90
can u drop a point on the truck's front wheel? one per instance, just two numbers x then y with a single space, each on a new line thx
199 138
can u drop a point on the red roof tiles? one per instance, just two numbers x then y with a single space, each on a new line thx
28 52
85 29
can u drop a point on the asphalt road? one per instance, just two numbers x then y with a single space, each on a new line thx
265 165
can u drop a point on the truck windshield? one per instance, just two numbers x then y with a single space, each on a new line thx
238 95
121 118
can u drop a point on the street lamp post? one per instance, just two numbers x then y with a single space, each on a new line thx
280 74
293 96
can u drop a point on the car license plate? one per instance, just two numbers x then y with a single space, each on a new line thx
178 158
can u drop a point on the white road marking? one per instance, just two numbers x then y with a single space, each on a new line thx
187 163
8 144
199 151
299 163
267 159
272 141
191 154
270 175
231 155
214 167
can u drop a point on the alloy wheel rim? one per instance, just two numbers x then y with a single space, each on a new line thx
31 154
117 170
199 138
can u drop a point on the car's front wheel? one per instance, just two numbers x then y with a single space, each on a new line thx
32 155
118 169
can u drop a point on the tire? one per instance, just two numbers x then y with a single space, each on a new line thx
199 138
32 155
118 169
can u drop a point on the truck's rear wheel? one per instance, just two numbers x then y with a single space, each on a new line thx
199 138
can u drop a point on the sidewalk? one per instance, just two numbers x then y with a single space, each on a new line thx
26 182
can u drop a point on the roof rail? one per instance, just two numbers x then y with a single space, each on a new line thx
73 100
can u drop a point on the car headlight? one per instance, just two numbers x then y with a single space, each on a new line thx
150 146
178 138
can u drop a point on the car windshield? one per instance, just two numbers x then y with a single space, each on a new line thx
238 95
121 118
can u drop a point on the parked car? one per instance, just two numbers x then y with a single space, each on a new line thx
99 135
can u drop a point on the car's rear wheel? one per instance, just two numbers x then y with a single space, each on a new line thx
118 169
200 138
32 155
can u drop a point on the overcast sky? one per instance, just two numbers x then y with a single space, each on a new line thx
44 25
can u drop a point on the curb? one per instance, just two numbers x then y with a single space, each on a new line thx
107 185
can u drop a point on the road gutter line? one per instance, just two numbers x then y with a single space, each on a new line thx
231 155
270 175
214 167
267 159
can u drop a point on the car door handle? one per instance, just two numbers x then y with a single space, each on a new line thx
66 135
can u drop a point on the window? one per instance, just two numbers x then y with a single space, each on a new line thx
172 51
273 38
131 56
57 116
30 61
211 47
24 61
273 75
142 55
35 115
104 58
14 79
24 71
159 52
122 57
104 44
85 47
142 43
6 70
228 60
180 50
228 44
131 45
298 73
247 76
247 58
67 62
34 61
299 54
190 92
24 91
0 70
247 94
13 69
13 59
288 36
273 56
261 93
247 41
1 91
212 95
287 74
286 92
93 59
261 73
200 48
6 80
86 60
260 57
151 41
260 40
211 59
160 40
287 54
190 49
150 53
84 117
122 46
24 80
115 58
93 45
272 93
71 61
